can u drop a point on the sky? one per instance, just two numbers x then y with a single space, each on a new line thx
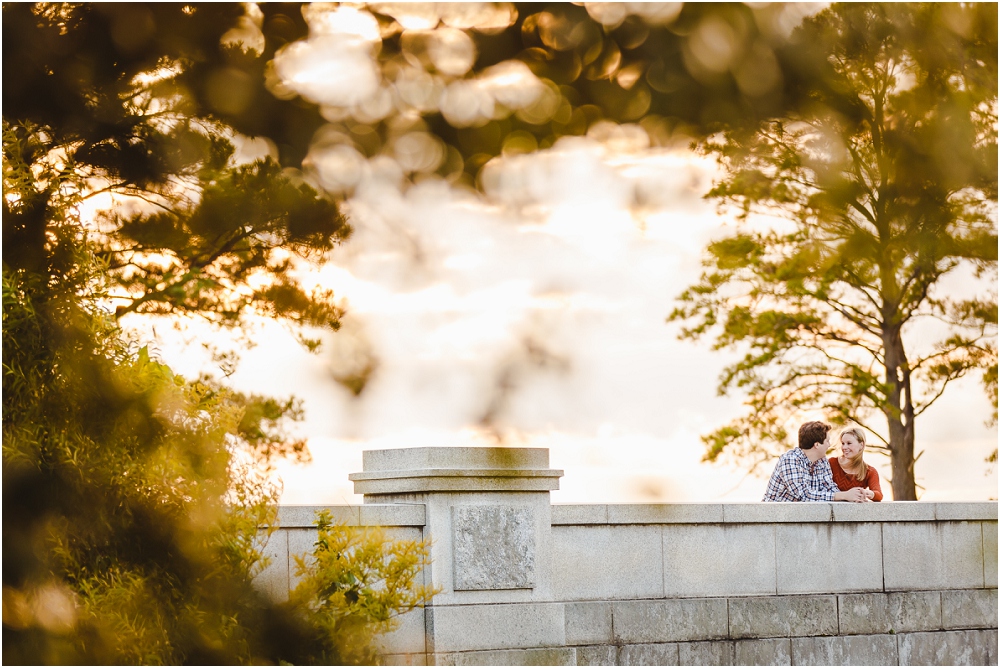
535 316
532 314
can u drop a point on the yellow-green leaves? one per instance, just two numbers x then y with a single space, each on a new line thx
356 582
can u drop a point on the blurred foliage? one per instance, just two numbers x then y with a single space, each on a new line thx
213 141
137 506
130 527
115 100
454 86
357 582
887 180
136 502
140 90
154 103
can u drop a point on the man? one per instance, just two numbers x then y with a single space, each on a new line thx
803 474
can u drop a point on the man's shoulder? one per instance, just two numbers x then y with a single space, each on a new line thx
793 455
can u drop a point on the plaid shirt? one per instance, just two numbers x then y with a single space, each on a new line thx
795 478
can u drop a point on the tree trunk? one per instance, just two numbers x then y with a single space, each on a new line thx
899 414
904 485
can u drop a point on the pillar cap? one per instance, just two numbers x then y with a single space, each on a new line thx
461 469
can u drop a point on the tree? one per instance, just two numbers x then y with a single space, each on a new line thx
135 500
145 112
887 181
137 503
129 534
148 102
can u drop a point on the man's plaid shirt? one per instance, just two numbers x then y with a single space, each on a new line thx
795 478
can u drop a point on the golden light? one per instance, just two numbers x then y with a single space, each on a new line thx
331 70
343 20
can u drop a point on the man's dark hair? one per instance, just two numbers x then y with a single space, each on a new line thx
812 433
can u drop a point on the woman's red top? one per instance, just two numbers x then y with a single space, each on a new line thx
846 481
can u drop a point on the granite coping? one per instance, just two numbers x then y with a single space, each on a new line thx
769 513
401 514
369 514
455 473
401 459
450 484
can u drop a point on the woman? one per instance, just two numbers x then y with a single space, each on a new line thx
850 470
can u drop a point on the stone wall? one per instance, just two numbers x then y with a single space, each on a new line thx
523 582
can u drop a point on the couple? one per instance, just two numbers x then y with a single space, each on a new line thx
805 474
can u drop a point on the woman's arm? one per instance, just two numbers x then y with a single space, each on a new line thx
873 484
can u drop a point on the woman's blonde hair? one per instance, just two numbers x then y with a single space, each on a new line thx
857 462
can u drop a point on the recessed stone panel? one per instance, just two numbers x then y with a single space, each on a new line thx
494 547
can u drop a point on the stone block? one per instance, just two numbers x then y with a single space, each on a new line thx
298 517
387 486
444 572
432 469
850 555
403 659
273 580
403 459
941 555
864 614
990 554
969 609
392 514
914 611
870 650
398 533
546 656
719 560
671 620
579 514
713 653
740 513
301 543
896 511
462 628
607 562
494 546
945 648
597 655
659 654
777 616
407 638
588 623
989 641
664 513
965 510
764 652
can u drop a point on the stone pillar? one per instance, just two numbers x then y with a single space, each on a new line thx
489 520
